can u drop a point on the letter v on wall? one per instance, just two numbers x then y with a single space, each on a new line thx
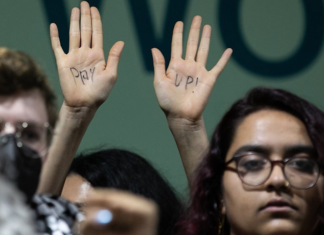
145 29
56 12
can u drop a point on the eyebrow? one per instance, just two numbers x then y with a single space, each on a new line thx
252 148
301 149
288 151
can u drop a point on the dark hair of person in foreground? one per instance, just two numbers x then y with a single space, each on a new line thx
204 214
121 169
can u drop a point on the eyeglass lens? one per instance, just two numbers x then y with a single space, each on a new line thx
301 172
30 134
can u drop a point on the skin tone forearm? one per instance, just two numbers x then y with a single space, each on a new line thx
70 129
192 142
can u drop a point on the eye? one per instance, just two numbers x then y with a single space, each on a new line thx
30 135
303 165
252 163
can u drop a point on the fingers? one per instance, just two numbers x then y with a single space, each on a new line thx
193 38
176 45
114 55
74 29
204 45
218 68
159 64
91 27
97 40
85 24
55 40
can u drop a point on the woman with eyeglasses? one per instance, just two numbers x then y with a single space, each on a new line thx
263 170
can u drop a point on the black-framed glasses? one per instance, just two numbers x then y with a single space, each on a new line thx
254 169
34 135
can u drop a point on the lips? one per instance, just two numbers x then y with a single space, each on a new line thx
278 205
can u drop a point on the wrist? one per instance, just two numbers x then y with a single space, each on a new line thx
75 117
176 122
78 112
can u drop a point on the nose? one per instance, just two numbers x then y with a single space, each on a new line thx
277 178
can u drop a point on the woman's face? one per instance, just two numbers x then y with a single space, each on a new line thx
272 207
76 189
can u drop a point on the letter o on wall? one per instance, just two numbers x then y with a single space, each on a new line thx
299 60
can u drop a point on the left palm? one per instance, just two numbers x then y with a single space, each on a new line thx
85 77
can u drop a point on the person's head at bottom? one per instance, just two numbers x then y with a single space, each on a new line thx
263 173
124 170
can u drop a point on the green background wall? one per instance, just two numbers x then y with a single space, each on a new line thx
131 118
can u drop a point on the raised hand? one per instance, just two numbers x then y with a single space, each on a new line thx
86 79
184 88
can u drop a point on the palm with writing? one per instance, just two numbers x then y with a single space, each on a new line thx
86 79
184 88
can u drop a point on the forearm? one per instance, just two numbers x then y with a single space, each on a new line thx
69 131
192 142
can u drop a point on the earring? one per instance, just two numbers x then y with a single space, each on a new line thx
287 184
220 226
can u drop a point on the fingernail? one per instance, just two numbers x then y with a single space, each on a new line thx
104 217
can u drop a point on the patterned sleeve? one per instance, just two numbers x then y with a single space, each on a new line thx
55 215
